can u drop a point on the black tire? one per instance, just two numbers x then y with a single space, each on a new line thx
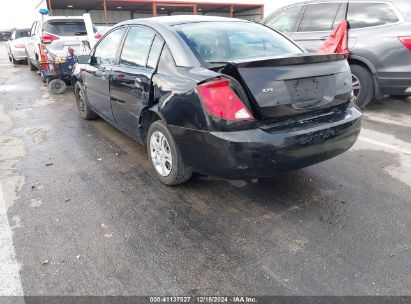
57 86
366 91
9 58
180 172
13 61
31 66
83 106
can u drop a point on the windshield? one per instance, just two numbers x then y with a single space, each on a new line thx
66 27
234 41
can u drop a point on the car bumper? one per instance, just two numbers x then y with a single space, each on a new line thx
19 54
256 153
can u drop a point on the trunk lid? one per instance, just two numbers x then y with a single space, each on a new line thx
283 87
60 47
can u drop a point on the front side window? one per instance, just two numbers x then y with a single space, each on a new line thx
106 50
234 41
362 15
284 21
319 17
136 47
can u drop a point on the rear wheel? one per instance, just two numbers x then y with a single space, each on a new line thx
363 85
82 103
165 157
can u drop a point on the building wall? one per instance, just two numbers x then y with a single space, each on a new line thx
252 15
118 16
98 15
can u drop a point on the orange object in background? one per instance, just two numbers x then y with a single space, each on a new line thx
337 41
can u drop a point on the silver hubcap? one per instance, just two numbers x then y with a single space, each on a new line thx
356 85
160 153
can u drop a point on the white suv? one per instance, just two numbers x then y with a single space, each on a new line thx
58 34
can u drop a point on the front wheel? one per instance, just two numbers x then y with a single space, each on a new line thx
363 85
165 157
82 103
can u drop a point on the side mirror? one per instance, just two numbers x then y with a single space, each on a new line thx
84 59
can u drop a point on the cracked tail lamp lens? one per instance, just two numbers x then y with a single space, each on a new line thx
221 102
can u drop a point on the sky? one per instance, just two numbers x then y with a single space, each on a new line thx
21 13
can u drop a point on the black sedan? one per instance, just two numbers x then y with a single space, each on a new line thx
219 96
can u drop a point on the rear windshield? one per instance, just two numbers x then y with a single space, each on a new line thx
234 41
66 27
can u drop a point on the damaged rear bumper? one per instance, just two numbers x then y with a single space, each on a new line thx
257 153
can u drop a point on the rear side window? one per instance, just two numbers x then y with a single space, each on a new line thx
155 52
228 41
362 15
319 17
106 50
66 27
285 20
136 47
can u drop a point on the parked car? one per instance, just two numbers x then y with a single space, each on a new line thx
379 40
220 96
59 34
16 45
5 35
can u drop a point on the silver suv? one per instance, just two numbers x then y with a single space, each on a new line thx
379 40
58 34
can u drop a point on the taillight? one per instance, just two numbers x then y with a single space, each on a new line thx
19 46
220 101
98 36
406 41
48 38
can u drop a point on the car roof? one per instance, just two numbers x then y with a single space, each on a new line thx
181 19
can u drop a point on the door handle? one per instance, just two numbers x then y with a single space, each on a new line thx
324 38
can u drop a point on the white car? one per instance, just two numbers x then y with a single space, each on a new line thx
16 45
57 34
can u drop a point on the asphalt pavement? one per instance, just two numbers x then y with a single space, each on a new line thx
81 212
